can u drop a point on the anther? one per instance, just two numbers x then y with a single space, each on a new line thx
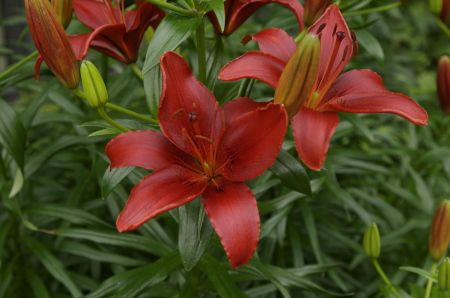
216 106
321 28
204 139
334 30
177 113
192 116
345 53
355 49
340 34
194 105
353 35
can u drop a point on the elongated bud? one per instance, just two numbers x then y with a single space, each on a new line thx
52 42
444 275
63 9
440 231
313 10
93 85
443 83
445 10
298 77
371 241
436 6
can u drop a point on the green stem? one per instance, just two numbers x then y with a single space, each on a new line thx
131 113
443 26
3 175
384 277
370 10
13 67
102 113
243 87
162 4
301 35
430 282
201 52
136 70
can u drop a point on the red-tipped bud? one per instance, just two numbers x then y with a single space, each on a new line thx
52 42
443 83
299 75
313 10
63 9
440 231
445 10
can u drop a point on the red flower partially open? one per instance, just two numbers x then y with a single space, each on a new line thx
238 11
115 33
356 91
203 150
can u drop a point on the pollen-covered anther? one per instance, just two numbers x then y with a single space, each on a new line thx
353 35
204 139
192 116
321 28
177 113
340 34
345 53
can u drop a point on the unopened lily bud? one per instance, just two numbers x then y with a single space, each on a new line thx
444 275
299 75
52 42
445 10
443 83
63 9
93 85
440 231
371 241
313 10
436 6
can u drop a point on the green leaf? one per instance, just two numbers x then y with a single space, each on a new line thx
220 278
171 32
36 283
106 131
291 173
219 10
113 177
370 44
420 271
152 87
53 265
30 111
131 283
214 63
195 232
115 238
5 227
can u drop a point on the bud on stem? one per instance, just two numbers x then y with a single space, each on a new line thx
444 275
440 231
63 9
371 241
443 83
93 85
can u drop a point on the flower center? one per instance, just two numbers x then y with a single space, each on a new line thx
114 15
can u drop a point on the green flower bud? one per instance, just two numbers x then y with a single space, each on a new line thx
93 85
444 275
436 6
371 241
299 75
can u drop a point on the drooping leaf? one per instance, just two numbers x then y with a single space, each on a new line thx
113 177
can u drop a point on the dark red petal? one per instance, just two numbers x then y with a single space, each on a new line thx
275 42
182 98
250 144
37 67
80 43
238 107
312 132
329 59
94 14
379 102
165 189
146 149
258 65
233 212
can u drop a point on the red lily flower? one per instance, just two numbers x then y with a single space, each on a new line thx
238 11
356 91
203 150
115 33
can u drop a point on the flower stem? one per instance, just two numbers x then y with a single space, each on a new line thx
13 67
130 113
201 52
370 10
162 4
430 282
246 87
136 70
102 113
384 277
443 26
78 93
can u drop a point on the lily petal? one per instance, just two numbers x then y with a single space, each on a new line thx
258 65
251 143
94 14
185 99
146 149
275 42
312 132
233 212
165 189
236 108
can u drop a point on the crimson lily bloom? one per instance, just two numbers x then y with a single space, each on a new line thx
115 33
203 150
238 11
356 91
